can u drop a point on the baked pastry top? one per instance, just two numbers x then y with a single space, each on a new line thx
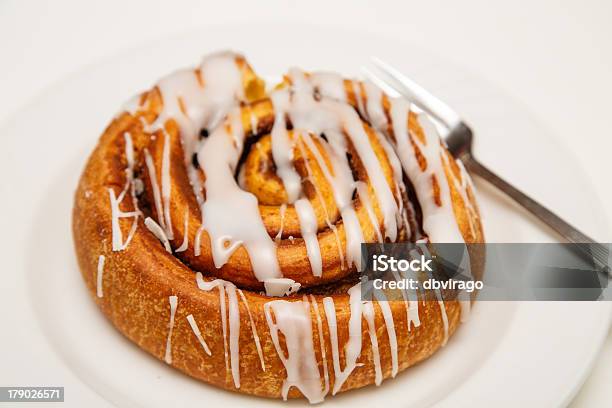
218 225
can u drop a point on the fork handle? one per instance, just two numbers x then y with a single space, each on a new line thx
590 251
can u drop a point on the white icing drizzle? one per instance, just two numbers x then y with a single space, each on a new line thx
195 100
396 166
404 213
362 145
117 237
362 190
461 187
230 215
254 122
233 315
330 84
166 186
358 98
159 207
332 227
207 286
159 233
390 325
129 154
342 184
116 215
336 119
368 313
234 324
197 245
308 227
185 243
100 272
465 304
443 314
413 309
279 235
300 111
293 320
410 296
464 297
374 108
196 104
352 348
438 221
198 334
410 302
282 149
254 330
281 286
321 343
223 84
115 202
173 306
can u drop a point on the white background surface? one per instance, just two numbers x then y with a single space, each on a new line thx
554 57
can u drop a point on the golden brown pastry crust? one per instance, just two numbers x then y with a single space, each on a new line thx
138 280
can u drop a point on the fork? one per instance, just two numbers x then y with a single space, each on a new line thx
459 142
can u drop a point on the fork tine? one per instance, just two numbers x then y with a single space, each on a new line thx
376 80
416 93
387 88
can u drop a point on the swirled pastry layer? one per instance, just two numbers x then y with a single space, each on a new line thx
209 199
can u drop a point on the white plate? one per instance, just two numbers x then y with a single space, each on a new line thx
509 354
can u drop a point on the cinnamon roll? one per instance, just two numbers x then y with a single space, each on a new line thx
218 226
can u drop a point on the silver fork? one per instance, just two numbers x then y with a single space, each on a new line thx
459 142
